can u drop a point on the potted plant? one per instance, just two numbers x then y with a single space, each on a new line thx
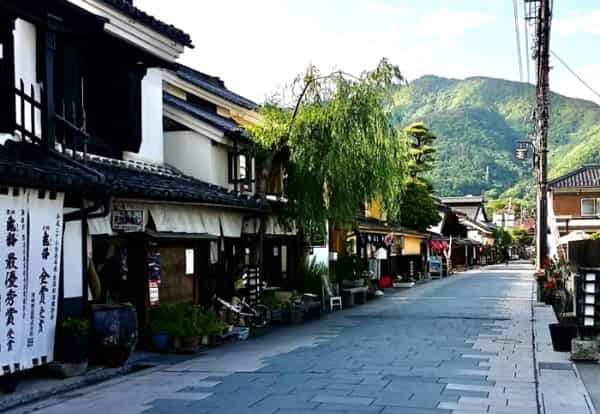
159 335
72 349
349 270
403 281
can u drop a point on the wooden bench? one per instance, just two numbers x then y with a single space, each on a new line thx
354 295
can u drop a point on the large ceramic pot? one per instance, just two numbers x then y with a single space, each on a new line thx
114 333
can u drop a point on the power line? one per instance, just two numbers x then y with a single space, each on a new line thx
587 85
526 31
518 37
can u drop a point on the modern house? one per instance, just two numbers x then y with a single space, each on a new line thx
574 201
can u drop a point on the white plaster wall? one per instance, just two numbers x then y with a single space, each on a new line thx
25 68
73 259
152 148
321 255
198 156
220 165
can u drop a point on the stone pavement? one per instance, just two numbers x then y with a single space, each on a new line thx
458 345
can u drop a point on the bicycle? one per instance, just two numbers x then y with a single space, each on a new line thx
244 314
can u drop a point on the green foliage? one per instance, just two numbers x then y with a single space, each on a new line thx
420 148
479 121
75 327
184 320
348 266
341 148
595 236
418 210
308 276
521 237
503 238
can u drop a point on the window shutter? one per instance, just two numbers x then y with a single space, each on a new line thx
7 75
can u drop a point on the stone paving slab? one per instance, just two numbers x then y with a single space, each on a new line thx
456 345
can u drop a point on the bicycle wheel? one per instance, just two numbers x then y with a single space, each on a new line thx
263 316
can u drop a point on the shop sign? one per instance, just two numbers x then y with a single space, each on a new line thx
30 241
153 293
397 246
153 265
128 220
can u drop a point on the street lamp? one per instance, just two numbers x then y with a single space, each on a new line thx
522 150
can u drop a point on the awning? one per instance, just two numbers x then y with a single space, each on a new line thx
176 219
438 245
274 228
231 224
184 219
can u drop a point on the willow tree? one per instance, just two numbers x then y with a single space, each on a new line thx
340 144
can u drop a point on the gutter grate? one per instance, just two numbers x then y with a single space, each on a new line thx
556 366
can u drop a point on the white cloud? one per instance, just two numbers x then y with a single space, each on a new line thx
563 82
386 9
446 26
580 23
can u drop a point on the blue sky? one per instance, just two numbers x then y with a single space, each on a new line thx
258 46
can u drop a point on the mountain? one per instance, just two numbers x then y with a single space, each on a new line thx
478 122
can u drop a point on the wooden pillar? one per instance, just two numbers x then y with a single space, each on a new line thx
48 124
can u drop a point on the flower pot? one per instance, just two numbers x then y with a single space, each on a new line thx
160 341
562 336
205 340
71 356
73 349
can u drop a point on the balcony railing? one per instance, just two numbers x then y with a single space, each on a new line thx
71 138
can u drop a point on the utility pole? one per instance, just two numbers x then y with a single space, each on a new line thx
540 12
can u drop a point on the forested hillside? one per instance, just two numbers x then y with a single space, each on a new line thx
478 122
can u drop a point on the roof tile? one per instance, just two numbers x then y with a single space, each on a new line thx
586 176
170 31
214 85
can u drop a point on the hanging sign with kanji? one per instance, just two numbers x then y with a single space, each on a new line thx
30 236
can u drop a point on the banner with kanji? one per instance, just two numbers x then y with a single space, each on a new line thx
13 286
31 238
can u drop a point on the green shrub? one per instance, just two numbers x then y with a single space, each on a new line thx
75 327
308 276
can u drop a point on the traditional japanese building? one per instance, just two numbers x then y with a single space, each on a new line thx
92 210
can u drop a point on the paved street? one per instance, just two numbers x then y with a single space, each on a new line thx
462 344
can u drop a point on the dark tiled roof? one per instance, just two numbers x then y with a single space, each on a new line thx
586 176
214 85
170 31
226 125
28 165
148 181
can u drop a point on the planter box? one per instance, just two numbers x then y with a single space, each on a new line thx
403 284
562 336
281 316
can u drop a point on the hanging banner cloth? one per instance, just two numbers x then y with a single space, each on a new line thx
31 262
